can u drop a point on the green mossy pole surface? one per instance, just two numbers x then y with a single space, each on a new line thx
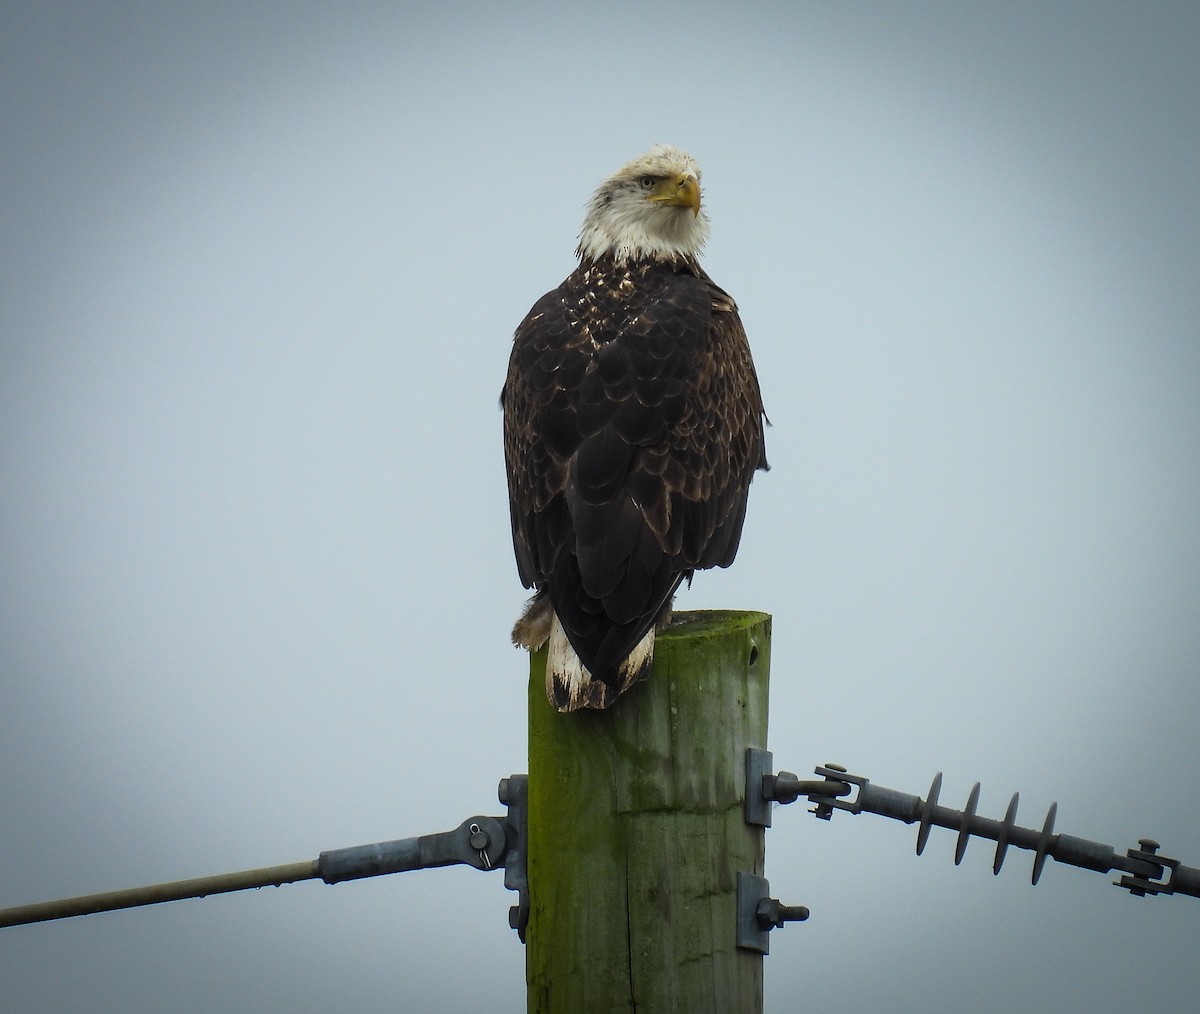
636 830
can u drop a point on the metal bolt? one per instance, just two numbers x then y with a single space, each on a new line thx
502 792
824 811
771 914
1149 845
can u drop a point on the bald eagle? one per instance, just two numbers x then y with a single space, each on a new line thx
633 424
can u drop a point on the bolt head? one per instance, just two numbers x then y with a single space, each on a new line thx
768 913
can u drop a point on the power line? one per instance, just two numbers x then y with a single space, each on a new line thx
485 843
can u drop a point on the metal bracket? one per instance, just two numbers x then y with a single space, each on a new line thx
758 770
514 793
764 788
758 913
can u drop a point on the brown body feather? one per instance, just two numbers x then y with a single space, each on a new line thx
633 424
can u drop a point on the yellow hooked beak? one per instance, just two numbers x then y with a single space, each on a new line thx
682 191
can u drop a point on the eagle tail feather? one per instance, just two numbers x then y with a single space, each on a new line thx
569 684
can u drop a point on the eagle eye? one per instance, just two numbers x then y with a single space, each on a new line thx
647 182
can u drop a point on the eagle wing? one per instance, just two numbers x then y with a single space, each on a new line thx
633 423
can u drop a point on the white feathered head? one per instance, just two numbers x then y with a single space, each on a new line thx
647 208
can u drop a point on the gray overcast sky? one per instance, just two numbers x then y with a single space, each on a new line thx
260 268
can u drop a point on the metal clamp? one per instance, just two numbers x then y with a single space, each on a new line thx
1140 886
758 913
478 841
485 843
764 788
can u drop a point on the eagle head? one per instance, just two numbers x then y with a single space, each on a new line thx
649 208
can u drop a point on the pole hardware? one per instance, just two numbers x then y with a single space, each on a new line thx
478 841
514 793
1139 887
758 913
764 788
1147 872
485 843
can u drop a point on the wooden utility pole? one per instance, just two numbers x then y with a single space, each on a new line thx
637 834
